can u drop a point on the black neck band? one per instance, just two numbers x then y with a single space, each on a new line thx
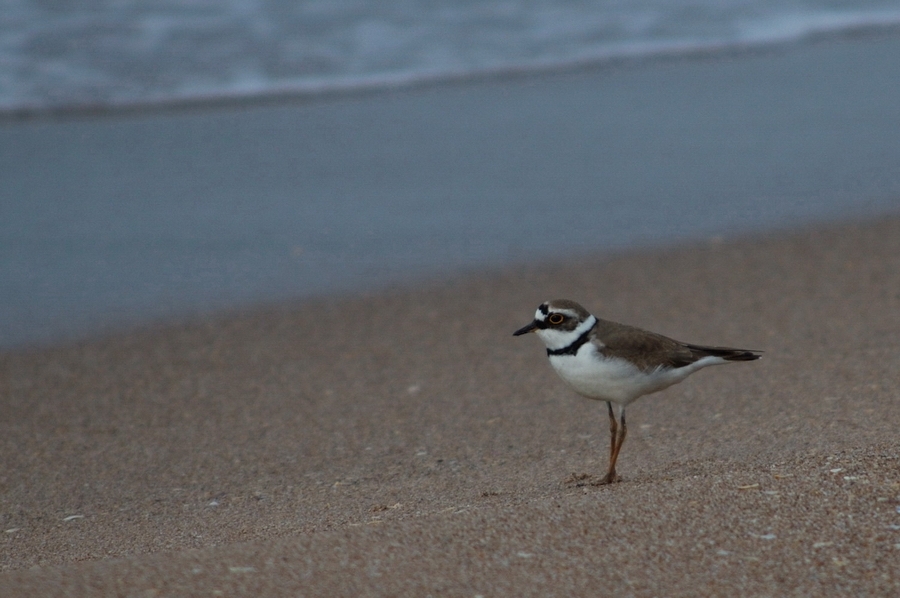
572 348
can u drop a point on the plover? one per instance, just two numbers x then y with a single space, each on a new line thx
616 363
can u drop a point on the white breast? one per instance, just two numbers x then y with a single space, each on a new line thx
611 379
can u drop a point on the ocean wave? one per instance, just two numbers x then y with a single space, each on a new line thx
143 56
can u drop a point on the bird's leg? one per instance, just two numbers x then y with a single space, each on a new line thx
617 432
613 429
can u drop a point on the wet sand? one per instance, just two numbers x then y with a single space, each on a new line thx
404 443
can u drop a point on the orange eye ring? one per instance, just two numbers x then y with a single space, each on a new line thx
556 319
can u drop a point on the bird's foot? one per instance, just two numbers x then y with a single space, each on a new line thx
609 478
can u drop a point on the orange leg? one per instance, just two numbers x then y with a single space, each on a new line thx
613 431
617 432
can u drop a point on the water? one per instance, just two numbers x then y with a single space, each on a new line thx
117 220
57 54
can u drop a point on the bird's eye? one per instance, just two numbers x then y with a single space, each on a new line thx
556 318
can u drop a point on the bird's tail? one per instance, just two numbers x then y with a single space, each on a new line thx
726 353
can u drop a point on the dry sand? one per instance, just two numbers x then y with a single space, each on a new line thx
404 443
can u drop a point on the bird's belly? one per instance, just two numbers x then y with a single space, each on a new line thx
610 379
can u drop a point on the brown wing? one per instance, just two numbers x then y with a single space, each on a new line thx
649 350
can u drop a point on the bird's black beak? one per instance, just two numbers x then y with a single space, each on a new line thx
526 329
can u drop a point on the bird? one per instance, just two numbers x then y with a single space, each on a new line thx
617 363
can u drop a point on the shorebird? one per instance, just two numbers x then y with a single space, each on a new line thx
612 362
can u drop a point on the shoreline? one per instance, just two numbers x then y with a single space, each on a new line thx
428 283
117 222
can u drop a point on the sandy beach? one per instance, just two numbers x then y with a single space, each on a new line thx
404 443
